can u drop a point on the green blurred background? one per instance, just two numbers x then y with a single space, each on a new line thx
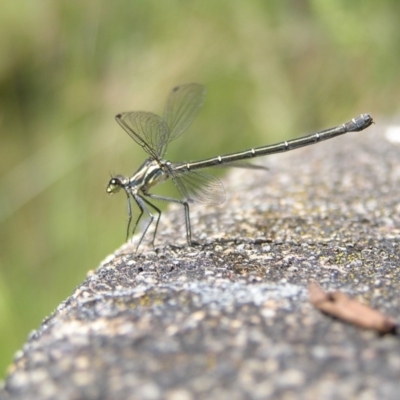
272 69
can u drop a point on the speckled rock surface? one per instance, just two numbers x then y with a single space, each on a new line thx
230 318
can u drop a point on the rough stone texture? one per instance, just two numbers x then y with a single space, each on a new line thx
230 318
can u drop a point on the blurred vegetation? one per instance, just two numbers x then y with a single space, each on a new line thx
273 70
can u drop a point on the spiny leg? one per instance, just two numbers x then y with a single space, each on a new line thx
187 222
138 218
185 204
158 217
141 202
129 216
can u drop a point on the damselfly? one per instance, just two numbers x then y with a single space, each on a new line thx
154 134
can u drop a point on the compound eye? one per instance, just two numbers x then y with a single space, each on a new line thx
113 186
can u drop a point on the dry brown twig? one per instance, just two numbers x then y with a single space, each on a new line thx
343 307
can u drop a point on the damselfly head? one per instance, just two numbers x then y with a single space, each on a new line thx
116 183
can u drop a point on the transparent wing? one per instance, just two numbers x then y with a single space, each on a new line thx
147 129
199 187
183 104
